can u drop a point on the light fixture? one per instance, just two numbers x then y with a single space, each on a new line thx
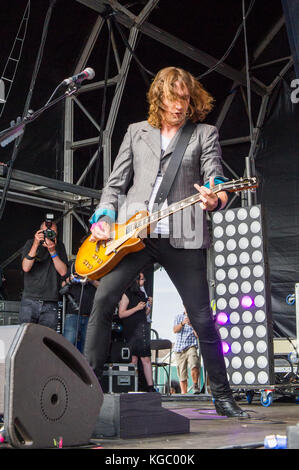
242 295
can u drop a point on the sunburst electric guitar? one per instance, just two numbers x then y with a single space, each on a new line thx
97 258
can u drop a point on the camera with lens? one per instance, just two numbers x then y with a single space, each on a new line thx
49 232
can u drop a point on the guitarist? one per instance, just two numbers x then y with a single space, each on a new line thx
178 242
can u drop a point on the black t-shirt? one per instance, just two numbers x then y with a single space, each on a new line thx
43 282
87 297
130 323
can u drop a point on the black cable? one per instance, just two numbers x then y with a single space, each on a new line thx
132 52
229 49
27 106
251 445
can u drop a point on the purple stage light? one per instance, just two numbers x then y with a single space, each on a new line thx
247 301
225 347
222 318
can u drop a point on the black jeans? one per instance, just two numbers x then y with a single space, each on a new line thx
39 311
187 270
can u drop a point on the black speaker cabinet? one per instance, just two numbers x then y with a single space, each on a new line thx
48 392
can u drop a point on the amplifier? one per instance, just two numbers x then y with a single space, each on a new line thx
120 378
9 312
9 318
9 306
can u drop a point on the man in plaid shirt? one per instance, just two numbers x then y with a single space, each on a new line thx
186 352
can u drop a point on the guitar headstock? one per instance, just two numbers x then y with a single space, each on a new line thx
241 184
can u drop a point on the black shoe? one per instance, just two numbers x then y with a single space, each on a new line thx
151 388
228 407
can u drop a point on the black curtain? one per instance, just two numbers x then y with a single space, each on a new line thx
277 164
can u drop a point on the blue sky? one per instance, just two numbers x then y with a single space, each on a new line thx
166 305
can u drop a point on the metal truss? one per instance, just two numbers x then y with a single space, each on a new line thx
73 203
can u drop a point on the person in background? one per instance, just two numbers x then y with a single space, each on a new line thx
186 354
44 264
79 299
134 308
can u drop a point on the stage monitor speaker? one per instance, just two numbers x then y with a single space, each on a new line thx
48 392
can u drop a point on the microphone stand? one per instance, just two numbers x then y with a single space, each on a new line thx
10 134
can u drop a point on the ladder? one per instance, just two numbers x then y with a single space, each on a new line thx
13 60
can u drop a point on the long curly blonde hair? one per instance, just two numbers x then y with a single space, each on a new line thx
201 102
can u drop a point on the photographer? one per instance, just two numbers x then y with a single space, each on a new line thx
44 263
79 294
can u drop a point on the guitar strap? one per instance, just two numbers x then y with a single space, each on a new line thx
174 163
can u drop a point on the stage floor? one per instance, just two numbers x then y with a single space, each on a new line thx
210 431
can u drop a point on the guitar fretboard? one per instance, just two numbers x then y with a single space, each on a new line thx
231 186
174 207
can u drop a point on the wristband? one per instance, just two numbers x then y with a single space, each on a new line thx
54 256
219 203
31 258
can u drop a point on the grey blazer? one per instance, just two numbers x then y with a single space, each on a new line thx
135 169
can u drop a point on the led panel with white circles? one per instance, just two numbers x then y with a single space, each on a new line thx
242 296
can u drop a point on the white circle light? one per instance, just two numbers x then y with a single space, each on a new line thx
244 257
248 347
258 271
219 246
242 214
262 377
236 362
230 230
243 243
249 378
249 362
258 286
229 216
231 244
247 332
243 228
221 289
245 272
233 288
236 347
260 316
261 331
232 274
217 218
261 346
231 259
256 241
235 332
254 212
257 256
220 274
219 260
245 287
255 227
236 378
218 232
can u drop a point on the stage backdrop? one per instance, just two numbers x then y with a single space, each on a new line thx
277 165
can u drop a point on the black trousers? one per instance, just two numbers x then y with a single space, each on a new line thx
187 270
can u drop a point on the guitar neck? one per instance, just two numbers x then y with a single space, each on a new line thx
174 207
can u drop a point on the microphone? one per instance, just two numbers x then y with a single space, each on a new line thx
87 74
